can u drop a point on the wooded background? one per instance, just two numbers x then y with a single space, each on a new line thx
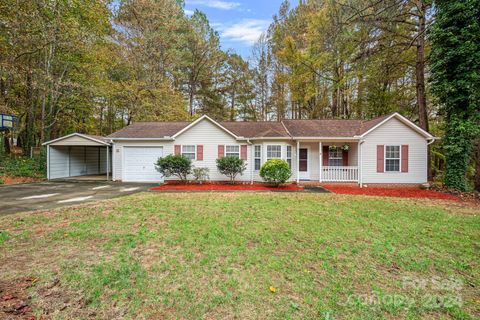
95 66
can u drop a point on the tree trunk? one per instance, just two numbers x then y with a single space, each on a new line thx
6 142
420 77
232 107
477 172
30 117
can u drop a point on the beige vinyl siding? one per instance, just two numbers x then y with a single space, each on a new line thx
352 153
204 133
210 136
394 132
283 144
76 141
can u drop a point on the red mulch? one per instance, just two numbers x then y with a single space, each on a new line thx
391 192
225 187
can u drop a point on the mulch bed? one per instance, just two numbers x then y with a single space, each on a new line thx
225 187
391 192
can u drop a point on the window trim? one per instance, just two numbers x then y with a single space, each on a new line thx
399 158
336 158
291 155
255 157
232 145
274 145
194 153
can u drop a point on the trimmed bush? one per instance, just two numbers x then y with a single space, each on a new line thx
275 171
201 174
231 167
174 165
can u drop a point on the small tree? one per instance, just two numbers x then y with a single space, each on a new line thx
275 171
178 165
231 167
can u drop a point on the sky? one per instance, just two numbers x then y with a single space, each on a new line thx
239 22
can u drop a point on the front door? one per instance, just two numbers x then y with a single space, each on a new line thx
303 165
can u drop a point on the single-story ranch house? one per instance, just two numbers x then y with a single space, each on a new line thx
386 150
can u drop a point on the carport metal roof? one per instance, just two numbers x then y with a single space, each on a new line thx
78 139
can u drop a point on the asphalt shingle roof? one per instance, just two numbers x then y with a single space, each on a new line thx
271 129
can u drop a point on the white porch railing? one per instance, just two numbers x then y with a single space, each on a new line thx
339 174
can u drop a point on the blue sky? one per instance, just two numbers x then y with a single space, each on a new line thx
239 22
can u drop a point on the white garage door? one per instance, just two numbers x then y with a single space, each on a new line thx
139 164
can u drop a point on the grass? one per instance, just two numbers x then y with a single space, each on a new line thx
221 255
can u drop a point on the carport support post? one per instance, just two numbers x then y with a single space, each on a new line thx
108 163
48 162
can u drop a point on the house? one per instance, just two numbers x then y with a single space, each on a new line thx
386 150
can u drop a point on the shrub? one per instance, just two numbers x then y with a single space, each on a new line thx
201 174
23 166
174 165
231 167
275 171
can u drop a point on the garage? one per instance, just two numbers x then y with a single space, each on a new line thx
78 156
139 164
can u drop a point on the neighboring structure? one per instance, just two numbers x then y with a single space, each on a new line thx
389 149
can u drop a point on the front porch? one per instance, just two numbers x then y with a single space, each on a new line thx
328 161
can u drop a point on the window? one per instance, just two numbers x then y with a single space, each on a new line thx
232 151
258 157
392 158
289 155
274 152
335 157
189 151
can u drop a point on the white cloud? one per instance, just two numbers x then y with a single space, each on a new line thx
247 31
217 4
188 12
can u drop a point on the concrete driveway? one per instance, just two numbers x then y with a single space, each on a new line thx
47 195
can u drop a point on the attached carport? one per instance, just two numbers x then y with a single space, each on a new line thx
78 155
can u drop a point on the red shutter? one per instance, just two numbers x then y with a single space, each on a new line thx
345 158
178 149
405 158
199 152
243 152
380 158
325 155
221 151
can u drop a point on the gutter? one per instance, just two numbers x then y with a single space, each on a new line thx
141 139
431 140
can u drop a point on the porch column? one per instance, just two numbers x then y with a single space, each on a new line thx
108 163
320 160
298 161
359 162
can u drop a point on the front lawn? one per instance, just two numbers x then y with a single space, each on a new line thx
243 256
